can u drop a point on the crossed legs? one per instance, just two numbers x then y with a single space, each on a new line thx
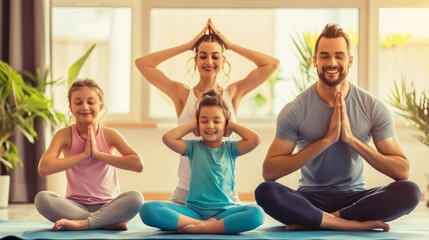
361 210
173 217
70 215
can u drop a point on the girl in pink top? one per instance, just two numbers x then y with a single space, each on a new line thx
93 198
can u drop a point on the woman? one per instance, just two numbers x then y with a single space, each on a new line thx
209 61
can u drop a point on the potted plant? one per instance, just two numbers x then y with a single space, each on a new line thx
22 101
20 105
415 109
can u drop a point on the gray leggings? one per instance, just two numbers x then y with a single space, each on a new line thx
121 209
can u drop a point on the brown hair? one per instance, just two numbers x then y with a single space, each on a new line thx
332 30
211 98
81 83
208 38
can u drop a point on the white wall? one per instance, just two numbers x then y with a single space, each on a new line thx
159 174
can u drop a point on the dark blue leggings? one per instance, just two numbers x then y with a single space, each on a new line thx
306 208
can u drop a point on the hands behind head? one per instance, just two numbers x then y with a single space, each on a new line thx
196 129
228 124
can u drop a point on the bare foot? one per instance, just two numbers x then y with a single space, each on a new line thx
65 224
210 220
117 226
191 228
377 224
198 227
352 226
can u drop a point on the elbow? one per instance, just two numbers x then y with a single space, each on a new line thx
138 164
141 64
138 62
165 139
403 176
276 63
43 171
140 167
273 65
268 175
258 140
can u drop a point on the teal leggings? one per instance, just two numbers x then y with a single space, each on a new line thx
165 216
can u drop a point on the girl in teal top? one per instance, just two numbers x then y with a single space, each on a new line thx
209 207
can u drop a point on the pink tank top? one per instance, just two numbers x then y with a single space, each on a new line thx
91 181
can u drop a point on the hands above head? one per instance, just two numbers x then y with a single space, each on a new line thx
209 28
339 127
190 45
212 30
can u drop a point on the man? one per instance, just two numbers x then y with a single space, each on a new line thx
331 124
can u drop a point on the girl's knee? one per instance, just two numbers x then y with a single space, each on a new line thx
258 215
43 197
136 198
148 210
145 208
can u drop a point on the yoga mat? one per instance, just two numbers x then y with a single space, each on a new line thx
269 230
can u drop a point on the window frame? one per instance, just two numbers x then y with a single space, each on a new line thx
139 115
136 83
373 36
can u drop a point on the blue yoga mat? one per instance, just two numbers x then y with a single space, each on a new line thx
269 230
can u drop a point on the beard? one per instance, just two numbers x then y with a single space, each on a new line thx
342 75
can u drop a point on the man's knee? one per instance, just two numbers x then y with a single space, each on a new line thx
263 193
412 192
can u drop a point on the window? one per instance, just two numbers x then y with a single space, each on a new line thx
268 30
398 45
109 63
147 26
75 28
404 47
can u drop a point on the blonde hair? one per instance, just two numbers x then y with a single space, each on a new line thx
81 83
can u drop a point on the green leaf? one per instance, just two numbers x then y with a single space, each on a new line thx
415 109
77 66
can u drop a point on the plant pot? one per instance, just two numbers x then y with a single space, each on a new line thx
4 190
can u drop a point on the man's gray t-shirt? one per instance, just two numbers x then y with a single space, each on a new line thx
339 168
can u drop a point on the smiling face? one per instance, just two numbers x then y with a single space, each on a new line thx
332 60
209 59
85 104
211 125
